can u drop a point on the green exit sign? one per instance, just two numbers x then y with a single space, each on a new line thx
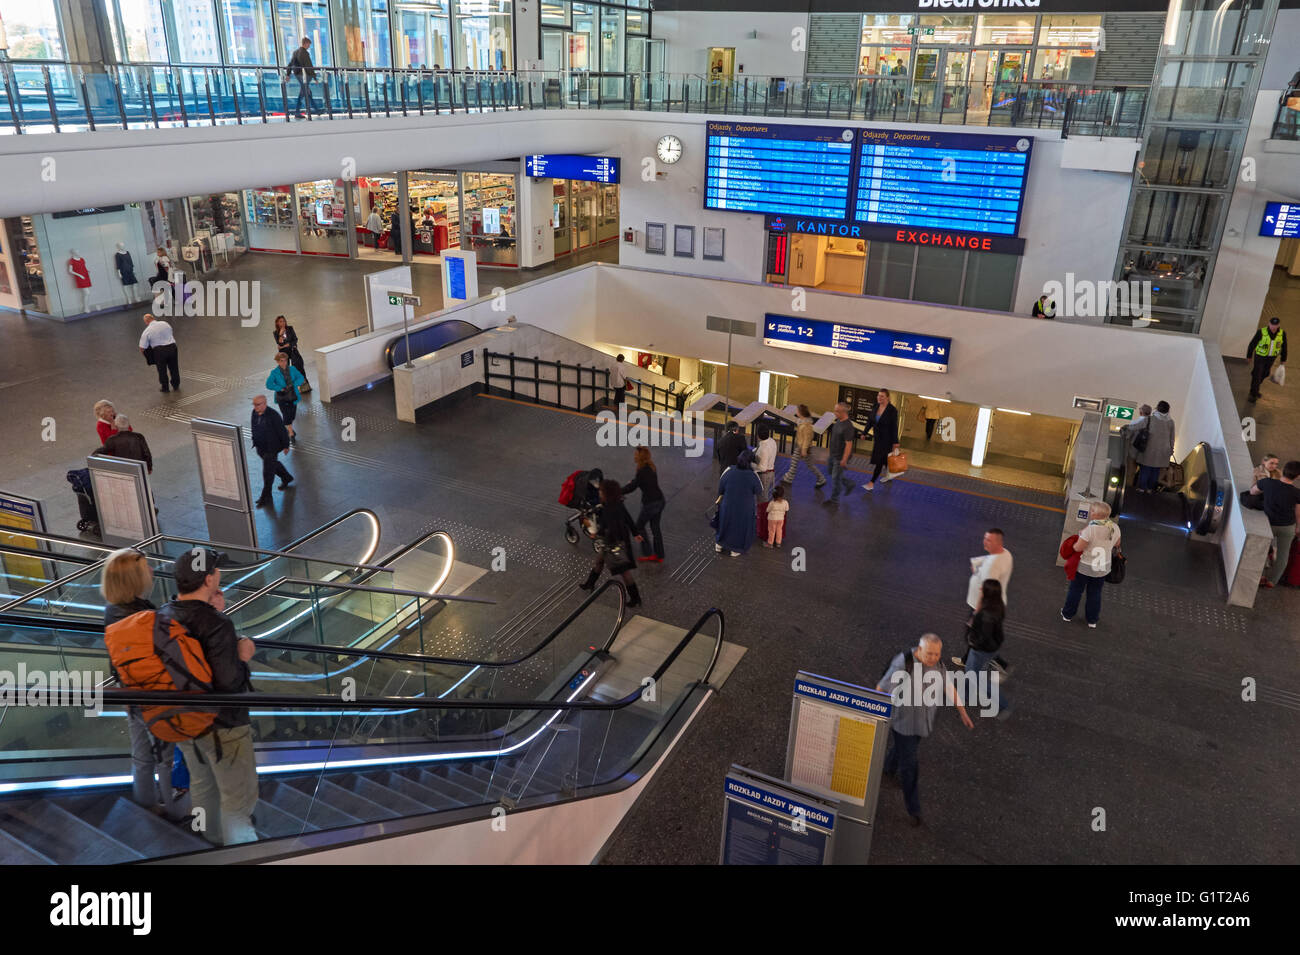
394 300
924 31
1119 411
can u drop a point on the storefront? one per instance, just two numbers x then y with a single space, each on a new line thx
309 218
72 264
583 214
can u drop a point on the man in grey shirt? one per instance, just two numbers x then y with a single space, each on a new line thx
839 441
913 718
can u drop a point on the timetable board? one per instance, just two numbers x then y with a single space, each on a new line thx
761 167
768 821
837 734
961 182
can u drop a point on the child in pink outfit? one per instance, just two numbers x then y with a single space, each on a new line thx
776 509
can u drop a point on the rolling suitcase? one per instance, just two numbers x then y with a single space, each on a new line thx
1292 576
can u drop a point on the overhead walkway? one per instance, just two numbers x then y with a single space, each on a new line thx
87 97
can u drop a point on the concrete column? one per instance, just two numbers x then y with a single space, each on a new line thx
404 216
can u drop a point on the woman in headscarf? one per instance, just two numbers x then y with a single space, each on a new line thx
738 491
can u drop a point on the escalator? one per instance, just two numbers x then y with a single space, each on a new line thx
427 742
1198 505
429 339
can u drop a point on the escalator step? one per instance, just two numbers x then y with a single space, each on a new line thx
399 802
272 822
344 800
142 830
458 794
299 804
432 798
60 836
16 852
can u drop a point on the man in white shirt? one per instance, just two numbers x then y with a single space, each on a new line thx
158 345
618 382
996 563
765 461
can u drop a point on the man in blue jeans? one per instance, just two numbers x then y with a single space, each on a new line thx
300 66
839 441
913 718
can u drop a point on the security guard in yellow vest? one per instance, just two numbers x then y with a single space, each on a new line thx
1269 342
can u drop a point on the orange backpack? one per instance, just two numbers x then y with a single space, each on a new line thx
151 651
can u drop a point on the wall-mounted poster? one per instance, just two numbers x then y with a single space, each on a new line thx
714 244
684 241
656 238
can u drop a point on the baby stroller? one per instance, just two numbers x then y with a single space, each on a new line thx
581 491
80 481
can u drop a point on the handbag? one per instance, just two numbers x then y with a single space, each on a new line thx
1279 375
713 511
1142 438
620 559
288 394
897 461
1117 562
149 358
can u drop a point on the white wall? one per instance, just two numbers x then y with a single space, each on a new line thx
1245 263
689 34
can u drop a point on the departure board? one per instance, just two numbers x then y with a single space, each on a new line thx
955 181
798 170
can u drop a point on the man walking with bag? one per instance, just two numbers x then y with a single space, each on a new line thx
301 67
158 345
1269 343
271 439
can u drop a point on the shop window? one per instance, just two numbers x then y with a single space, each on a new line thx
1071 30
435 211
990 281
555 12
250 31
490 226
322 217
890 29
938 275
268 214
483 35
889 270
310 19
143 33
947 29
364 28
1006 30
638 21
611 41
33 30
1061 65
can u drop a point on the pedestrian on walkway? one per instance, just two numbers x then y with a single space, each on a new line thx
270 439
126 586
1096 546
615 532
1281 505
652 505
884 428
126 443
1152 436
738 492
301 68
1270 466
803 441
765 462
105 415
839 441
618 381
730 445
1268 344
222 764
929 413
284 382
162 267
776 511
984 634
375 226
913 718
995 563
158 345
286 340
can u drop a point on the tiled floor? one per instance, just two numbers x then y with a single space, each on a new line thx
1143 717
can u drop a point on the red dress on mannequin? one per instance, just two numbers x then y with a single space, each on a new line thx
80 273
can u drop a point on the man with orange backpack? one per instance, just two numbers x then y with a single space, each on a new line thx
188 644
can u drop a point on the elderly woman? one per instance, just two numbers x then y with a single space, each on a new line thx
738 491
285 381
105 419
1095 547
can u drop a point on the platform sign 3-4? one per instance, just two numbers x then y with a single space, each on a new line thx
1123 412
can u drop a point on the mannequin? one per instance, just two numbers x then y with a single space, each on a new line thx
125 271
80 273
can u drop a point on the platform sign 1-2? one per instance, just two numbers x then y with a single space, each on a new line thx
769 822
838 735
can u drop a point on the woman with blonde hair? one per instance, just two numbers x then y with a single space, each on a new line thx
803 439
285 382
652 505
105 413
127 583
1097 544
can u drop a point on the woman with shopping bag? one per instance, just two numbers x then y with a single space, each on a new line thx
883 424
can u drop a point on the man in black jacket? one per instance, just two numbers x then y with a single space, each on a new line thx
1269 343
270 438
730 445
300 66
222 764
127 443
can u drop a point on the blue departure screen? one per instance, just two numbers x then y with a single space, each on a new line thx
905 349
758 167
563 166
955 181
456 277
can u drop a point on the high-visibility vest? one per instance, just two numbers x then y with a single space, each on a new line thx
1268 345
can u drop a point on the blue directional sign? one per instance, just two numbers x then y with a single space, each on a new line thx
564 166
905 349
1281 220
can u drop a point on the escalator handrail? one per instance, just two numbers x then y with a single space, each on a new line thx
61 697
365 588
87 627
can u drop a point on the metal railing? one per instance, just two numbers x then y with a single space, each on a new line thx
519 376
80 97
